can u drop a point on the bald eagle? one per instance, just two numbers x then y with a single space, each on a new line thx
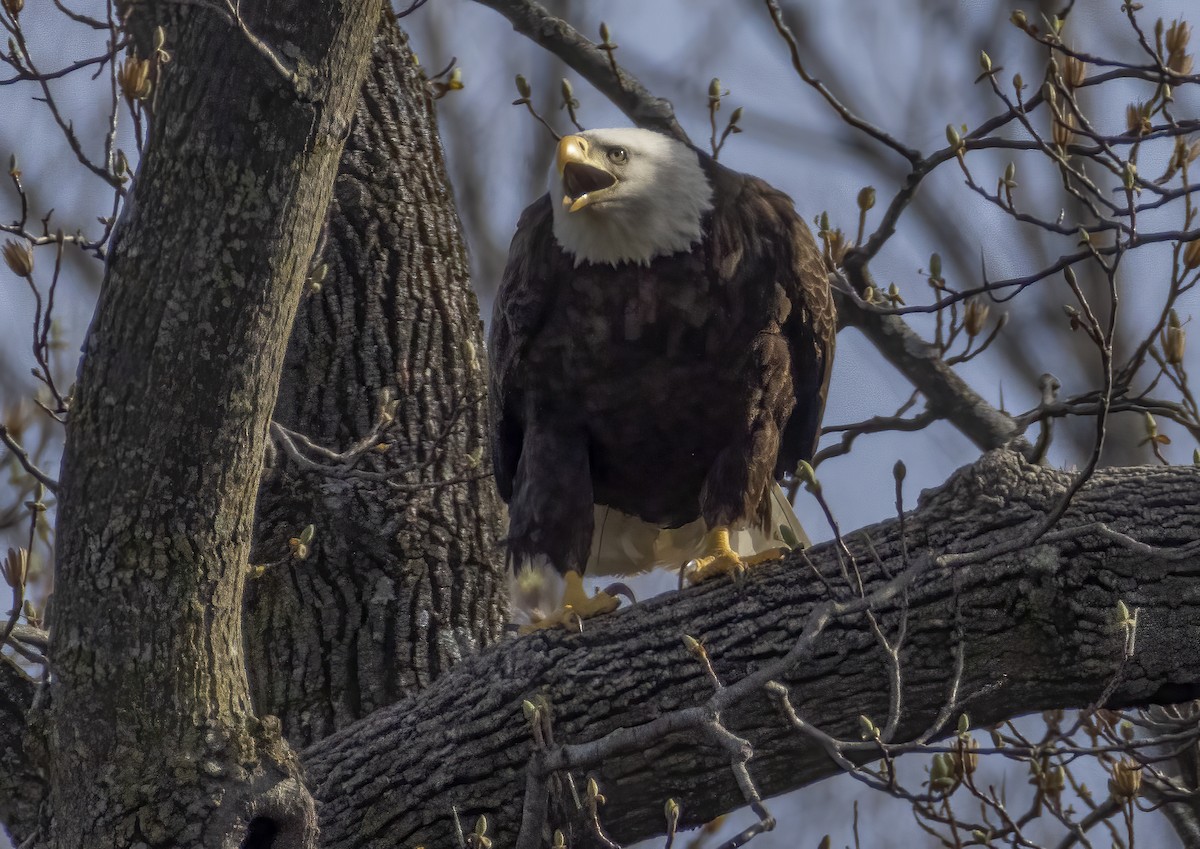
660 348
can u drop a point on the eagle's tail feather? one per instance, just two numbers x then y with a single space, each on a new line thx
625 545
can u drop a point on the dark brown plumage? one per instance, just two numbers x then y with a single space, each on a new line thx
668 391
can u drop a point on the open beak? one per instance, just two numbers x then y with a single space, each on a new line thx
582 182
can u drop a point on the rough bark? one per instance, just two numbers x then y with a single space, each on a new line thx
1039 630
402 580
150 739
22 788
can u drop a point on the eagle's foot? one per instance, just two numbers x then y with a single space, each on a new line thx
576 606
723 560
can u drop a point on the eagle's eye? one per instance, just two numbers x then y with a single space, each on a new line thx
618 155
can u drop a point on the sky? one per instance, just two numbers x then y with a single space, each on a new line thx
908 66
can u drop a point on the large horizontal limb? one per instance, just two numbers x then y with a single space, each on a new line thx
1037 629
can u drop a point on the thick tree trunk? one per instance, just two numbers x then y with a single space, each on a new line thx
1039 630
150 737
402 579
22 787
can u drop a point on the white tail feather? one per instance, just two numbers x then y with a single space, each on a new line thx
535 590
625 545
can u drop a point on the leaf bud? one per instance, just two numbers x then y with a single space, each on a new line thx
1191 255
1137 118
975 316
805 472
954 138
1063 131
985 62
529 709
1178 35
523 88
1129 176
1174 340
1054 782
1126 780
133 77
866 198
966 759
16 567
18 256
1074 72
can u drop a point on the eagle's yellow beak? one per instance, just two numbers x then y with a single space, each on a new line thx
571 149
583 182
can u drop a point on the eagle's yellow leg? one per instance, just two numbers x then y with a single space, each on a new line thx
576 606
720 559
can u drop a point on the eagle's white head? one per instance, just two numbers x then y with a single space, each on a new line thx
627 195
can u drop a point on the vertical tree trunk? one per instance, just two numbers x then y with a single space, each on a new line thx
22 787
402 578
150 739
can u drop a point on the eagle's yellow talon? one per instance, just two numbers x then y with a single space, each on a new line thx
577 605
723 560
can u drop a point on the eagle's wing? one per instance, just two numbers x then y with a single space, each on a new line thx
518 314
811 329
757 232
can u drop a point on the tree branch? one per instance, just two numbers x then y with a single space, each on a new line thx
593 64
947 395
1039 630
